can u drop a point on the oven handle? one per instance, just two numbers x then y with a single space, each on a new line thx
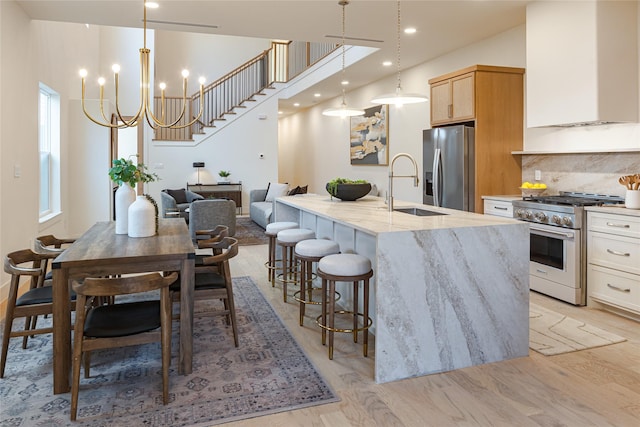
565 236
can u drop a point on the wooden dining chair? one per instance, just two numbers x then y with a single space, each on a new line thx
121 324
37 300
206 239
213 282
50 245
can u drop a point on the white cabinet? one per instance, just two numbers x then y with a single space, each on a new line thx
613 256
499 205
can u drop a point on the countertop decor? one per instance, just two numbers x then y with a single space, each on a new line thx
348 190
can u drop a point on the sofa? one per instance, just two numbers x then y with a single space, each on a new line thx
177 201
259 210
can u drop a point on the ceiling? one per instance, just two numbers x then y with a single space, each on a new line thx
442 26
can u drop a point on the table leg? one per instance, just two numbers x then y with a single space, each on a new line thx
186 316
61 331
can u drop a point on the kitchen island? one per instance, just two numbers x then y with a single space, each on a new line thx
449 291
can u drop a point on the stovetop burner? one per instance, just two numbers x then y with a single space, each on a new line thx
566 198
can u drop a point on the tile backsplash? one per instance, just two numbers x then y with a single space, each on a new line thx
583 172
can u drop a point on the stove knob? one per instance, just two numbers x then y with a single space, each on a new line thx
528 215
541 216
556 219
566 221
520 213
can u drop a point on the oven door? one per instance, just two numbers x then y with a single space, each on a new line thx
555 262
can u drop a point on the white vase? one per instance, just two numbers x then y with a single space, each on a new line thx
142 218
125 196
632 199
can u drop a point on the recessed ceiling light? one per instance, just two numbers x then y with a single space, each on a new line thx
344 82
151 4
279 112
410 30
296 104
317 95
387 63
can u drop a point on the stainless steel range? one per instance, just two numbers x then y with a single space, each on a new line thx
558 242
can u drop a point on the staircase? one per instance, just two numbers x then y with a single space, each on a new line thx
227 96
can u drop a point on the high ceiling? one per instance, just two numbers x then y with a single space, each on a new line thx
442 26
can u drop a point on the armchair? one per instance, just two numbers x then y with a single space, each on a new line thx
207 214
177 201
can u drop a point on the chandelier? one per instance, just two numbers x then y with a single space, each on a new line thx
398 97
343 110
144 111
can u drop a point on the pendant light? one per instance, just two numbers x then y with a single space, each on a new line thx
399 97
343 110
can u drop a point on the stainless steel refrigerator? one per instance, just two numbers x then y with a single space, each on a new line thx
448 164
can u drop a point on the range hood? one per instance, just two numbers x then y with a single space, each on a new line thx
582 63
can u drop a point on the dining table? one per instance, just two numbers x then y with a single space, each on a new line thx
102 252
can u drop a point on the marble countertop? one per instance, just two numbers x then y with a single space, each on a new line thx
619 210
370 214
503 198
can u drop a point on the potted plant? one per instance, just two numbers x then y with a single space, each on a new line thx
224 175
127 174
347 189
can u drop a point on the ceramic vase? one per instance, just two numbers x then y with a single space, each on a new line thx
632 199
125 196
142 218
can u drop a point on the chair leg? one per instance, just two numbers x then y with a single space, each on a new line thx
365 338
77 359
5 340
232 314
324 311
355 311
332 309
165 324
27 326
303 277
86 357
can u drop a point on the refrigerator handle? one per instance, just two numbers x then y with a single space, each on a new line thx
436 177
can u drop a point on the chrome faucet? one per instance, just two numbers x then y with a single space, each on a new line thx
391 176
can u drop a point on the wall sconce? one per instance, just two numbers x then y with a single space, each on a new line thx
198 165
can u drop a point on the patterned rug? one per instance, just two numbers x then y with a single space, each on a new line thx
267 373
249 233
553 333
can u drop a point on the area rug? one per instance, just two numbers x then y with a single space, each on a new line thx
554 333
267 373
249 233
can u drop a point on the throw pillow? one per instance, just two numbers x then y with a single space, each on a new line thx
293 191
302 190
276 190
180 195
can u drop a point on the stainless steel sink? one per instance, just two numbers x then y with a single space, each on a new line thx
418 212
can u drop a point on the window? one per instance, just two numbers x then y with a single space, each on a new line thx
49 152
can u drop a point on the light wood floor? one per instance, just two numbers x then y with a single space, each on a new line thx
598 387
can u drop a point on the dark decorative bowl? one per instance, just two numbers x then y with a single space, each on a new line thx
350 192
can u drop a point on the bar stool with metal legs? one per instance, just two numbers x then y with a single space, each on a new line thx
288 239
344 268
272 233
307 252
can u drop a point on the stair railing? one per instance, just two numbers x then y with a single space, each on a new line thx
278 64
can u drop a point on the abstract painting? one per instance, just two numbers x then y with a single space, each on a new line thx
369 137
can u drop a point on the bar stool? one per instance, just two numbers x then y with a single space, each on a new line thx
344 268
307 252
288 239
272 233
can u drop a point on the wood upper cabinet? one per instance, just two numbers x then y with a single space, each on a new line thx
491 99
452 100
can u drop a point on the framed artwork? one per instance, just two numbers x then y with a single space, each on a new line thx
369 137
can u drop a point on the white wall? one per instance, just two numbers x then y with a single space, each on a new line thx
315 148
211 56
235 148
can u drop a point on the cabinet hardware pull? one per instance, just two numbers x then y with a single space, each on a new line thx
541 271
618 288
500 208
612 224
450 110
612 252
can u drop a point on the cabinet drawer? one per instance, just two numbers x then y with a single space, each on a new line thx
620 225
613 287
498 208
621 253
